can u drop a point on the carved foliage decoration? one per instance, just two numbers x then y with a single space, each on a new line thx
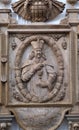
38 10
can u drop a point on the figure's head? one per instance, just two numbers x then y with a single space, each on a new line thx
38 47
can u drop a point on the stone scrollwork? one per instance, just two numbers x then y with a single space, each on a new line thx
38 10
37 80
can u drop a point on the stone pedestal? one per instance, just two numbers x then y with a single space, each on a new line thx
73 16
5 16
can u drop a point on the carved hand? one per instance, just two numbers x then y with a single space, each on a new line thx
42 84
49 83
37 66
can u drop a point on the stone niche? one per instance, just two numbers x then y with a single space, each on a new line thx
38 74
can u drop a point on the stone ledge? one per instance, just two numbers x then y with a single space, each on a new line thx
5 11
72 10
74 117
6 118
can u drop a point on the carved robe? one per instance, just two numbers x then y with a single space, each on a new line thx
31 78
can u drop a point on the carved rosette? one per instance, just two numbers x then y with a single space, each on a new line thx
38 10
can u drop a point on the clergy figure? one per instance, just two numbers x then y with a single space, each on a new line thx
38 75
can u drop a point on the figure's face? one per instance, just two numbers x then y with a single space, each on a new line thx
38 53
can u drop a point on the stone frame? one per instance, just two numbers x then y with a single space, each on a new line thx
44 29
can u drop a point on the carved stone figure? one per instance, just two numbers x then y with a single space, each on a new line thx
37 73
38 10
38 77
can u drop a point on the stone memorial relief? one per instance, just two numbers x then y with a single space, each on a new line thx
38 71
39 65
38 90
38 10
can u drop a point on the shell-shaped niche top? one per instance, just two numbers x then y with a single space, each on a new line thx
38 10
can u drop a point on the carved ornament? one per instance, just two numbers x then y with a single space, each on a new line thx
38 82
53 87
38 10
56 78
73 125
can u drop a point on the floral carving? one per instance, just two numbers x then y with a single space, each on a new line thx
56 37
64 44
